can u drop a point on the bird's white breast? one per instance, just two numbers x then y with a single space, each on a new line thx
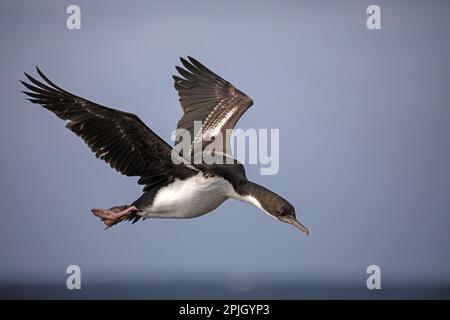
189 198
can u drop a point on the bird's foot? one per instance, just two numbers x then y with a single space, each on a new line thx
113 215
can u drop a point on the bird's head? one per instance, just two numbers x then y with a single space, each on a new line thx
285 212
271 203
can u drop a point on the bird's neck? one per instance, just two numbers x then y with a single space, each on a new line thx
256 194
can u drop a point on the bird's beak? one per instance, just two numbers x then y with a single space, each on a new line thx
295 223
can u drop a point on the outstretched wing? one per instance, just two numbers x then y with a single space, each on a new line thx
208 98
119 138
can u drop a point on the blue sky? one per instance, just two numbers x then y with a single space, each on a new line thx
364 154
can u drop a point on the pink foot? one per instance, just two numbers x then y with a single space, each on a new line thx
113 215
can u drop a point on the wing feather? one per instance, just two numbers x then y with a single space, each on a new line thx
119 138
206 97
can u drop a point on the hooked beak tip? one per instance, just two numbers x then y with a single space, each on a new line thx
298 225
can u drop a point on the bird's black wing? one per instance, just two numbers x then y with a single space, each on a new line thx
119 138
206 97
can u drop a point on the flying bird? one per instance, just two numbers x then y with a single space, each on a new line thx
172 189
